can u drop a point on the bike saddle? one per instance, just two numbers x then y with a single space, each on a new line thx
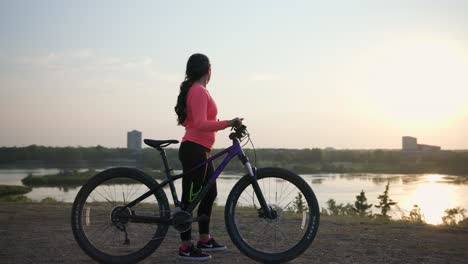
158 144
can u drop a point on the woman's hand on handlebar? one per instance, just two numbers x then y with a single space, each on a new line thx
236 122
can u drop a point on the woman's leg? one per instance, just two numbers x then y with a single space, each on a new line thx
190 155
206 242
206 205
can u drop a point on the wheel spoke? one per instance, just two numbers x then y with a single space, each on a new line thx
105 198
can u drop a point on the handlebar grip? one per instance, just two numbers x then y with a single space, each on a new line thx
237 123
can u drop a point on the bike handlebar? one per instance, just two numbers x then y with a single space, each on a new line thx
239 132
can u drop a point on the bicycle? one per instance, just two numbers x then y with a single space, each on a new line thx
115 221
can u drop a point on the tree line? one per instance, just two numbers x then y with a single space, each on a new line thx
299 160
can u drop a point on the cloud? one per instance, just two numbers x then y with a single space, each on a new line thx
85 69
86 60
82 54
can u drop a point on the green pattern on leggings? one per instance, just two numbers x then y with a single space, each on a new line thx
192 194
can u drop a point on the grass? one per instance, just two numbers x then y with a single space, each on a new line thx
49 200
8 190
70 178
16 199
64 178
24 199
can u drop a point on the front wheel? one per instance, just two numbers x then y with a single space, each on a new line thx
292 225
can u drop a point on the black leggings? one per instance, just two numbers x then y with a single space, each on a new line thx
190 155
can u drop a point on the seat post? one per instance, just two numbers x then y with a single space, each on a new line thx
167 170
168 176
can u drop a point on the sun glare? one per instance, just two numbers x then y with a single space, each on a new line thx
433 178
418 82
428 197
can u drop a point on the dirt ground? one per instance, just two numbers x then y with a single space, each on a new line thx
41 233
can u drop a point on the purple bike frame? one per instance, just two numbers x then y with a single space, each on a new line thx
232 151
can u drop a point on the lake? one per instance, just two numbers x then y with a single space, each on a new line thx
433 193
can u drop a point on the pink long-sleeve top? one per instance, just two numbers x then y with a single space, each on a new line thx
201 123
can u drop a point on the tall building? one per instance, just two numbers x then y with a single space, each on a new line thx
134 140
409 143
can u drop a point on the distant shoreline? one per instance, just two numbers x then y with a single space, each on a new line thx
328 168
301 161
77 177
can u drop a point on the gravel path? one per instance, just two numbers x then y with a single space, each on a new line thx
41 233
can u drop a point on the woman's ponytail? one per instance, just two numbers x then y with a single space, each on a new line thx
197 66
181 106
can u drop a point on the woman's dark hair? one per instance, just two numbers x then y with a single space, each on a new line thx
197 66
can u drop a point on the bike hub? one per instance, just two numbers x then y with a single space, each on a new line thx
120 216
273 214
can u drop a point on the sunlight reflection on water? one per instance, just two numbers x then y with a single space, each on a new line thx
433 196
433 193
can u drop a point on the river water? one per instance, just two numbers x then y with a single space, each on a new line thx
433 193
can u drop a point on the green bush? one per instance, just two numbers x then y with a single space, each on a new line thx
415 216
49 200
338 209
463 223
455 216
298 204
16 198
7 190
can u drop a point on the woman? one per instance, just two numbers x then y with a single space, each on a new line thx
197 112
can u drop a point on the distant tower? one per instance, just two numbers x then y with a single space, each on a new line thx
410 143
134 140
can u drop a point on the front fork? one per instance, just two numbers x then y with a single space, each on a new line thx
267 211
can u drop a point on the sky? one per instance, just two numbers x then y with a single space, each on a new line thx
302 74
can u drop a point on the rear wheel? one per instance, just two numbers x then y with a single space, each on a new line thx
290 229
101 226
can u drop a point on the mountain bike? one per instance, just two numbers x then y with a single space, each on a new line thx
122 215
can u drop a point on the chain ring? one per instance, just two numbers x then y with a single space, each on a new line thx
182 221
